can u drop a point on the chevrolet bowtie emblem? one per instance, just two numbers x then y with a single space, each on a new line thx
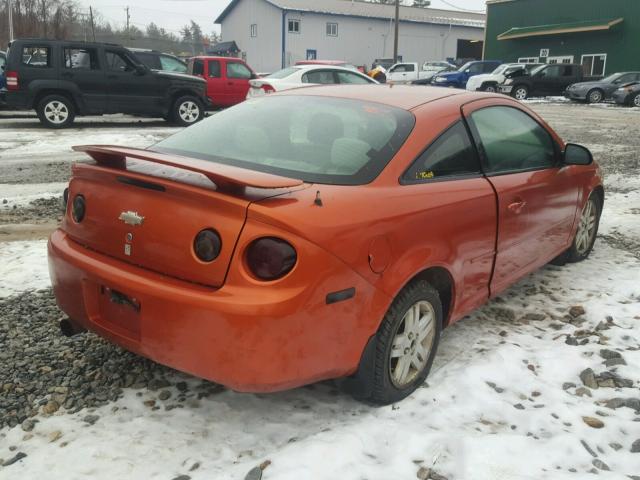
131 218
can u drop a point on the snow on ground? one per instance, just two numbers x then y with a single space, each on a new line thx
496 405
24 267
23 194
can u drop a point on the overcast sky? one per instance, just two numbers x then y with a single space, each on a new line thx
173 14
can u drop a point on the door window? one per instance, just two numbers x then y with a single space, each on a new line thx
171 64
118 61
238 70
149 59
488 67
475 68
80 58
451 155
348 77
405 67
319 76
512 141
36 56
197 68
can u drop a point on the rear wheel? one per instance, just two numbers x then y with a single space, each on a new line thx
595 96
187 110
520 92
635 101
405 345
490 88
56 111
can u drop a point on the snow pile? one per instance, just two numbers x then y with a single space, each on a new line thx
24 267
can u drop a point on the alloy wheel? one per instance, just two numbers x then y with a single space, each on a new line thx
490 89
189 112
636 101
56 112
412 344
595 97
521 94
586 227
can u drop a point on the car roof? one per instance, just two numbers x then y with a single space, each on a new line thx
322 67
321 62
216 57
75 42
405 97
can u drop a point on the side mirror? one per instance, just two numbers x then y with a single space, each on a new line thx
141 70
577 155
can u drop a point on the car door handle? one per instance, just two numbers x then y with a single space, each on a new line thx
517 206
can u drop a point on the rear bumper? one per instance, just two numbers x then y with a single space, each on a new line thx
247 336
506 89
18 100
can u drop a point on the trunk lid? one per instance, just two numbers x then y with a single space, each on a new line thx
149 215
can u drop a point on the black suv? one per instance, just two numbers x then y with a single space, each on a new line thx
62 79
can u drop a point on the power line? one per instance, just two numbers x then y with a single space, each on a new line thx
460 8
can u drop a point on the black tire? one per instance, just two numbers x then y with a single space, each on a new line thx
56 111
635 101
595 96
489 88
579 250
375 377
187 110
520 92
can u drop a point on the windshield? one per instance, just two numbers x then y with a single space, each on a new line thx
465 66
538 68
611 78
315 139
285 72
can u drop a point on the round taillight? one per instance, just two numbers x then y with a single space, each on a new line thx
270 258
78 208
207 245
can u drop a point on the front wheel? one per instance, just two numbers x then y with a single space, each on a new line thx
405 345
490 88
635 101
520 92
595 96
187 110
56 111
587 230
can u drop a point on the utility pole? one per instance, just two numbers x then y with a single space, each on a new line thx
128 18
395 34
93 27
10 4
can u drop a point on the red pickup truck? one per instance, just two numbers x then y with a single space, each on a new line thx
227 78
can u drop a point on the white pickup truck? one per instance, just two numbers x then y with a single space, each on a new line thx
408 72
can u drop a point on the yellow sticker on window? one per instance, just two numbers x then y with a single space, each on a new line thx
424 175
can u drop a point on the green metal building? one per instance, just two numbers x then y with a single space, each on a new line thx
602 35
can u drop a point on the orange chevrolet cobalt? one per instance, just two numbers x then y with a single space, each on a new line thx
319 233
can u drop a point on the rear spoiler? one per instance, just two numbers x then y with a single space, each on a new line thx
224 176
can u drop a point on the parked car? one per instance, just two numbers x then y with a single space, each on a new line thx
546 80
227 78
489 82
597 91
459 78
305 75
156 60
63 79
430 69
300 261
628 95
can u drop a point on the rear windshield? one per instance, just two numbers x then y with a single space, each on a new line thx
285 72
315 139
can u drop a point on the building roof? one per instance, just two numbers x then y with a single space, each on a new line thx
560 28
362 9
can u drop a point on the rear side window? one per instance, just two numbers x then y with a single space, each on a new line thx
450 155
348 77
36 56
512 141
238 70
81 58
324 77
214 69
